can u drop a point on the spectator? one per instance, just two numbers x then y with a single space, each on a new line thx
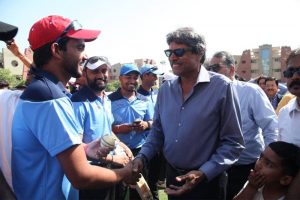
147 93
45 135
273 173
272 91
93 111
289 115
196 123
132 116
259 122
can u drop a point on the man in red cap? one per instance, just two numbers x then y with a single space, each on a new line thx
46 139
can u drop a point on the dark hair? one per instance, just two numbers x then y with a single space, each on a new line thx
229 60
289 154
293 54
261 77
42 55
189 37
271 79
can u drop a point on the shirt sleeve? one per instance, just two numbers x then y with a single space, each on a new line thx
230 136
265 117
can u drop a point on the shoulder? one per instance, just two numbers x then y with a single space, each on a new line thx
115 96
82 95
43 90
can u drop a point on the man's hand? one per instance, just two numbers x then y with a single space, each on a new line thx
139 126
137 165
120 160
126 149
191 180
95 151
132 176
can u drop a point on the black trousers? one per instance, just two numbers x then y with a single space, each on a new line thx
205 190
237 177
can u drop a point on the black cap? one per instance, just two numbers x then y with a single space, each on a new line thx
7 31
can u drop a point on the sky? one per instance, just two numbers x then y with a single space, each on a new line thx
132 29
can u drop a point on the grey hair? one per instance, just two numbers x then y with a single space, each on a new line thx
189 37
229 60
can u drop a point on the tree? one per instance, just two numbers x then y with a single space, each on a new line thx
13 80
113 86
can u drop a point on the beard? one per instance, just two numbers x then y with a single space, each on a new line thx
97 87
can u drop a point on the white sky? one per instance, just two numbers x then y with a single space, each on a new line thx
137 28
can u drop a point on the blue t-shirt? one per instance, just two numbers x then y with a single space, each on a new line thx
44 125
93 114
126 111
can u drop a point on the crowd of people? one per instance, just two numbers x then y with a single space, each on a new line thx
207 133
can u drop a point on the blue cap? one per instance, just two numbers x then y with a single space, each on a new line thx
150 69
127 68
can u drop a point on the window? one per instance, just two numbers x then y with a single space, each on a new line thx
14 63
243 62
253 61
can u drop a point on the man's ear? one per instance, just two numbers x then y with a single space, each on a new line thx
56 52
286 180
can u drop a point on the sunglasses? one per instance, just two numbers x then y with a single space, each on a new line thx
291 71
75 25
94 59
178 52
214 68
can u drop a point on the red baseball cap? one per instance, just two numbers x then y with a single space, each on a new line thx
50 28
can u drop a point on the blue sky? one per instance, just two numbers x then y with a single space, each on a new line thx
137 28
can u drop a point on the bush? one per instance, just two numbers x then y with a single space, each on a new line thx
12 80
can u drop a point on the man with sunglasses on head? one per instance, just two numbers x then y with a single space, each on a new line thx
93 112
289 115
259 121
196 123
45 136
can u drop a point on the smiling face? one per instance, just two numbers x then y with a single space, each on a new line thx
186 65
74 57
129 82
97 78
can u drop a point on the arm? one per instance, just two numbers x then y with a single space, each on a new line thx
231 141
265 116
13 47
83 175
255 182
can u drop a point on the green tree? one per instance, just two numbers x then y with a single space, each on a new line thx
112 86
13 80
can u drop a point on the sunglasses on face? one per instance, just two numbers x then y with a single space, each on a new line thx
291 71
214 68
177 52
75 25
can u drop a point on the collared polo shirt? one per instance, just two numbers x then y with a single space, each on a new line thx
93 114
44 125
126 111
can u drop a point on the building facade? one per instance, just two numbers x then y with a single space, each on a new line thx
265 60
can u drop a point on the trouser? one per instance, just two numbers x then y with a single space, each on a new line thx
237 177
155 165
206 190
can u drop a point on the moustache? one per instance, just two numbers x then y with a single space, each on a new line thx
294 82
